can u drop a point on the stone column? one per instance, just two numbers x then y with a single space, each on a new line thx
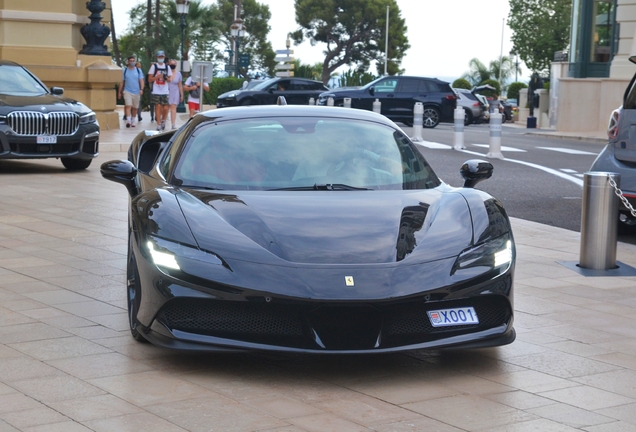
45 37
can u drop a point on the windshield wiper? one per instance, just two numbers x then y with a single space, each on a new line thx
323 186
200 187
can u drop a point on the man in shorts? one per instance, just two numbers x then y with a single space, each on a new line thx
131 88
160 75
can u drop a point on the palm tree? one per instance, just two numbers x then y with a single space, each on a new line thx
501 70
478 72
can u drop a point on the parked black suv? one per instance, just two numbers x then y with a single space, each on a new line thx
297 91
37 123
398 95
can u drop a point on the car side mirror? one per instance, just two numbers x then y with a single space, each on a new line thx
121 171
57 91
474 171
371 91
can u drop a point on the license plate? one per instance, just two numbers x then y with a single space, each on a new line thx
453 317
47 139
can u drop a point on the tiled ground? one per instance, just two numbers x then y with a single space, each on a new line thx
67 362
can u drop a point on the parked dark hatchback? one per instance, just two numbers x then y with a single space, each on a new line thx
398 95
297 91
37 122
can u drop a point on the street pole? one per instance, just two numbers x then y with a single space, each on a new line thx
386 42
181 106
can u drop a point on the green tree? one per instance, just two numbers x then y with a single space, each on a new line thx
201 31
492 83
478 72
307 71
513 90
539 28
501 69
461 83
256 17
354 32
353 78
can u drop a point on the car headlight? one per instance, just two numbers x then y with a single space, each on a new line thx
88 118
168 255
492 254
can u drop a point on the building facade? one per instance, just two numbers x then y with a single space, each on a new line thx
45 37
590 85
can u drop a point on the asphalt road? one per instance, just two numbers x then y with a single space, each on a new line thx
539 180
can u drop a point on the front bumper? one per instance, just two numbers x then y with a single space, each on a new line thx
83 144
204 315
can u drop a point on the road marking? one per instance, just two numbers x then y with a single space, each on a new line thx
503 148
433 145
564 176
568 151
569 171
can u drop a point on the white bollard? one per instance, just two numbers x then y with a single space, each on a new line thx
312 101
418 118
377 106
495 137
458 120
330 101
347 102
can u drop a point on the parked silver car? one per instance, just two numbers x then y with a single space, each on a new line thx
475 111
619 156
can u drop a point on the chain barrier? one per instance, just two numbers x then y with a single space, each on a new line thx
619 193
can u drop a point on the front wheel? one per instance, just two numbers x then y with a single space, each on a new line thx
76 164
431 117
468 117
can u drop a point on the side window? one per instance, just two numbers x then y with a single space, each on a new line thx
630 99
425 87
282 85
300 85
433 87
386 86
409 85
167 159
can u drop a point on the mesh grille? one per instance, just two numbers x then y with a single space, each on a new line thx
36 123
230 318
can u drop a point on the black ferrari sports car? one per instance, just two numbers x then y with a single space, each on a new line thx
309 229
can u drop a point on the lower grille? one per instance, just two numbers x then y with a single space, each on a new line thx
330 325
36 149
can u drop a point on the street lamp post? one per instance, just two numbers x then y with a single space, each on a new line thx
237 29
183 7
516 63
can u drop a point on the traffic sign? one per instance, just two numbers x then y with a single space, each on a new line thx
284 59
230 68
244 60
285 51
284 66
285 74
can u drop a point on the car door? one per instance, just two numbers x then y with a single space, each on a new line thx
270 95
409 92
384 91
298 92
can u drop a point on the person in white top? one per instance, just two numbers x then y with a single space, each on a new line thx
194 87
160 75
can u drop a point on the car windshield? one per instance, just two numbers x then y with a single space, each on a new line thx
15 81
301 153
264 84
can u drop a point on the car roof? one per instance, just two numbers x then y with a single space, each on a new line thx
8 63
256 111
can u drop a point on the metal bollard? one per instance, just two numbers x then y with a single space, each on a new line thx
312 101
377 106
495 137
330 101
458 117
347 102
418 120
599 219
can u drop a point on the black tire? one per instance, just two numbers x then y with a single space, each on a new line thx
626 225
468 117
76 164
431 117
133 292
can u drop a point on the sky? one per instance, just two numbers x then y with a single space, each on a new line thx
444 35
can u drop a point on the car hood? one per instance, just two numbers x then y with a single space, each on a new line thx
9 103
232 92
329 227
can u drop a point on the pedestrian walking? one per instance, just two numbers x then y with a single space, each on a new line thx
139 66
194 95
160 75
176 92
131 87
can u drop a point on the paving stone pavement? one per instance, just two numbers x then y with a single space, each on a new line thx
68 363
